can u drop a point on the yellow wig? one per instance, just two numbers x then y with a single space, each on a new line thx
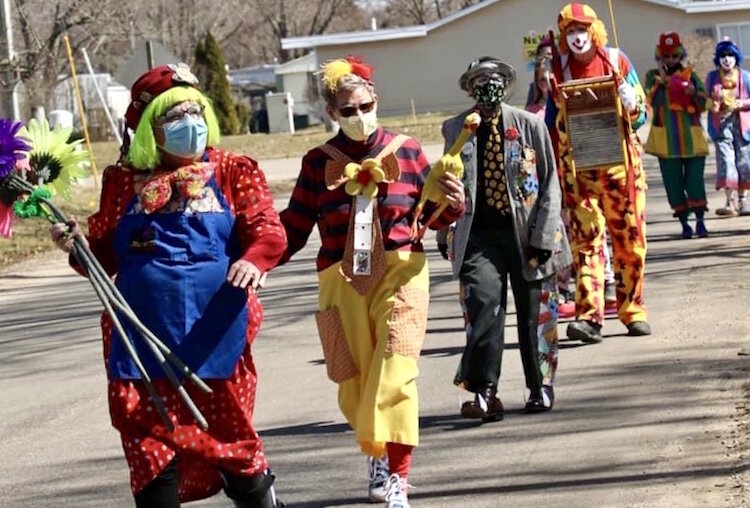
332 72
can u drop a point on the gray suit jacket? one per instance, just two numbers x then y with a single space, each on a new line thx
534 190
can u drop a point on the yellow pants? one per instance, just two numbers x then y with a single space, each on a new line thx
371 344
597 200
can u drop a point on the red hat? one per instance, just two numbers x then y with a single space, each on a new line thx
152 84
669 42
576 13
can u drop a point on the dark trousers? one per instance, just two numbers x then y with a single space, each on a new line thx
245 492
685 186
491 259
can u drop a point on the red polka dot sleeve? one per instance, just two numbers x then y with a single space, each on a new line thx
257 223
117 193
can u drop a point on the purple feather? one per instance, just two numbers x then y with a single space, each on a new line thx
11 146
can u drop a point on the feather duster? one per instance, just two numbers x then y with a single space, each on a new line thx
12 147
53 161
12 151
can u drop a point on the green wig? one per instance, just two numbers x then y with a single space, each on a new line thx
143 152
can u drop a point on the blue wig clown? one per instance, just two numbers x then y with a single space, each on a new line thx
725 49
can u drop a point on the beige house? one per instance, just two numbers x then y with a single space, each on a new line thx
422 63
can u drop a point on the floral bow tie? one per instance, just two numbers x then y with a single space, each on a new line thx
189 182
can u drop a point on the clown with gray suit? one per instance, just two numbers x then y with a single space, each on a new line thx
511 230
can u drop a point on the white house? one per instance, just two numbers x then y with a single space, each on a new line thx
297 77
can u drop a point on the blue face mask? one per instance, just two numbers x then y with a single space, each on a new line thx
186 137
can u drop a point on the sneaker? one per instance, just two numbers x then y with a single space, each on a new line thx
687 231
728 210
485 406
610 308
377 473
396 492
638 329
566 309
743 209
700 229
585 331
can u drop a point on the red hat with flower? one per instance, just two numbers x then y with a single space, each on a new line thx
669 43
153 83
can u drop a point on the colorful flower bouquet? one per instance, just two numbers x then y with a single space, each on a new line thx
37 162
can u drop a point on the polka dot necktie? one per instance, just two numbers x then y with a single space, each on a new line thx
495 184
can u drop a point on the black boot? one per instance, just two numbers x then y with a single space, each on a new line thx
251 491
163 491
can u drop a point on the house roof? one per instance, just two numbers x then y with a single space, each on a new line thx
408 32
306 63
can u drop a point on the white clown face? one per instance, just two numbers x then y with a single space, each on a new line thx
578 38
727 62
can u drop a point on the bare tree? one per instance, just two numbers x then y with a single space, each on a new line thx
41 26
290 18
393 13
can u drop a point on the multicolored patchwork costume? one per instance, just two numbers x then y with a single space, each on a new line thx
678 98
729 126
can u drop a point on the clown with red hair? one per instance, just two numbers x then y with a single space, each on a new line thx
606 199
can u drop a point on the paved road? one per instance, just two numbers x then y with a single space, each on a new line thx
638 422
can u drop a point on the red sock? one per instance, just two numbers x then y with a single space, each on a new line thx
399 458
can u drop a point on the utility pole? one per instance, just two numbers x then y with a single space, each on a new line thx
8 96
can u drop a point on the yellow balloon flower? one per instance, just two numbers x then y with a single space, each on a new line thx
363 178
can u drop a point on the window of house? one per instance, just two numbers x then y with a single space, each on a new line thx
738 32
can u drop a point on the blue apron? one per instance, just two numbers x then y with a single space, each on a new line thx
172 270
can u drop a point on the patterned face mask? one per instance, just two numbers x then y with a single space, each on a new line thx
489 93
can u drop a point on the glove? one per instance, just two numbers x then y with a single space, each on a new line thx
627 97
443 248
541 255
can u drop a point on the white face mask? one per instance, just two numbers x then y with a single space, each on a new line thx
361 126
728 62
579 41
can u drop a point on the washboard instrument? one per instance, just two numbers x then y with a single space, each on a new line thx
594 123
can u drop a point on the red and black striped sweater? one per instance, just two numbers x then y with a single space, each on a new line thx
312 203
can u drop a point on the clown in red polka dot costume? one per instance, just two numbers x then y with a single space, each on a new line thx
188 230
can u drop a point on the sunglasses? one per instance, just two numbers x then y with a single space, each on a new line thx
675 56
348 111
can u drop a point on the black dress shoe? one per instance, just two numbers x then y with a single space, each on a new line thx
585 331
485 406
543 403
638 329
